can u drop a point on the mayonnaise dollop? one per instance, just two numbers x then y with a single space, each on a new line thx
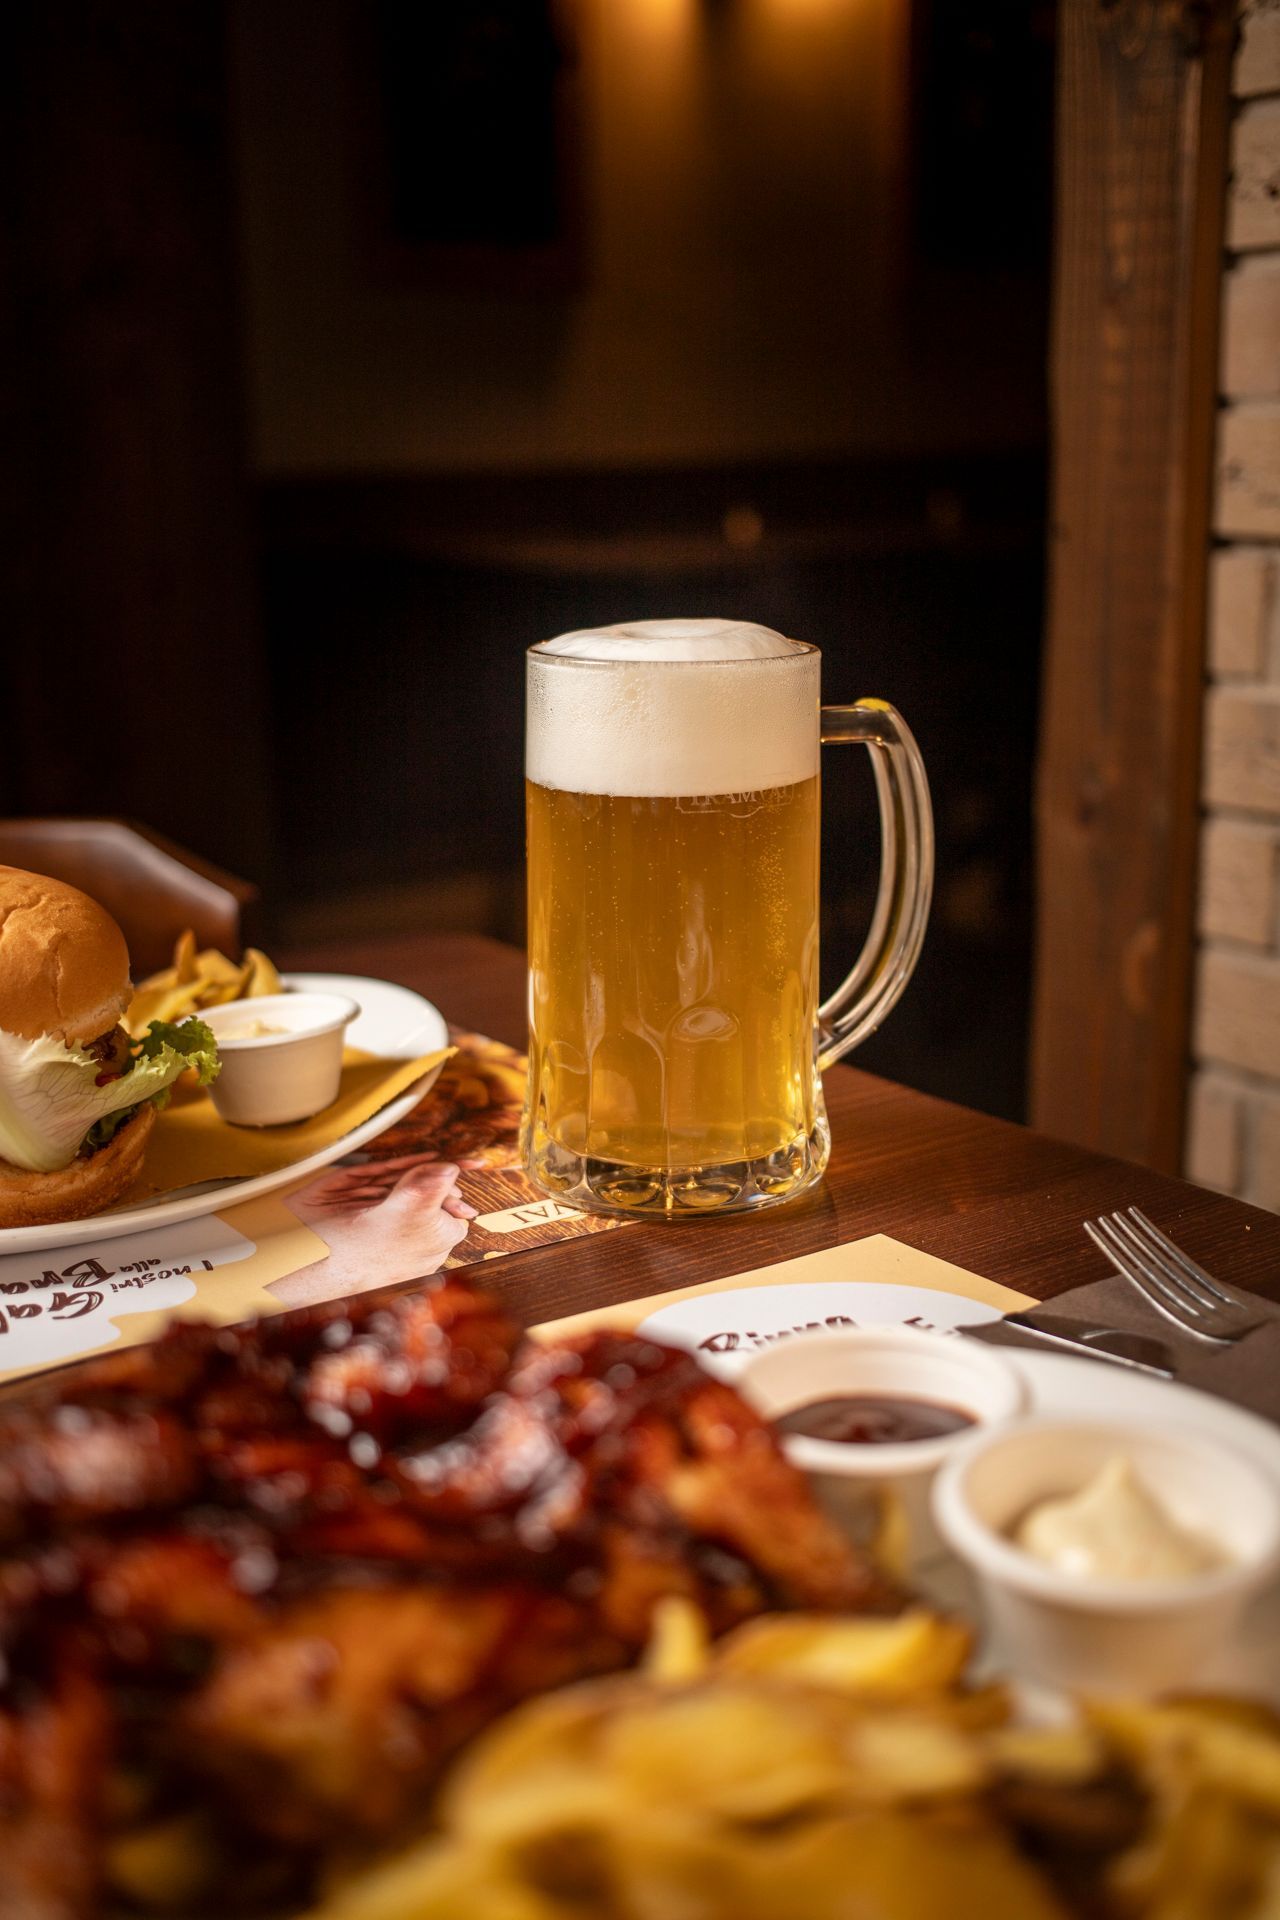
1114 1528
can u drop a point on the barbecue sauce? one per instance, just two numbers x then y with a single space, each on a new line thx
873 1419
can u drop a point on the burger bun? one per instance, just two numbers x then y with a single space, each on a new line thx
90 1184
64 965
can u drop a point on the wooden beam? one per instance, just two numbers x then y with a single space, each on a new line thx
1143 105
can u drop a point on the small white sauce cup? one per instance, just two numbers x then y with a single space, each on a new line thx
1108 1636
271 1079
900 1363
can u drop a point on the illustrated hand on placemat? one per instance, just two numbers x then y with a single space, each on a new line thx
397 1219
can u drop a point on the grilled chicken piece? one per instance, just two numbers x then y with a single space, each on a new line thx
161 1596
423 1360
264 1414
283 1572
53 1758
345 1709
612 1434
383 1362
83 1464
718 1468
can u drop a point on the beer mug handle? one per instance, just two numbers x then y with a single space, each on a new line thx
888 959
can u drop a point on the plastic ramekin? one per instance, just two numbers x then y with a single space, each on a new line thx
1108 1636
896 1361
270 1079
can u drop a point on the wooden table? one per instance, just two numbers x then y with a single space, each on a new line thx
990 1196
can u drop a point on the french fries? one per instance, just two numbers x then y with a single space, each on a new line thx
197 981
1212 1844
914 1654
818 1767
730 1798
1202 1743
679 1645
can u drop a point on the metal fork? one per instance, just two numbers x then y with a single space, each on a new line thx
1175 1285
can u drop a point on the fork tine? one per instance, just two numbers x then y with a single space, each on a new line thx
1169 1270
1128 1270
1218 1288
1138 1271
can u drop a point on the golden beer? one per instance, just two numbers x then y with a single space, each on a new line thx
673 948
675 1035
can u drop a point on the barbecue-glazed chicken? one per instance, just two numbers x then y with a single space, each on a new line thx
256 1586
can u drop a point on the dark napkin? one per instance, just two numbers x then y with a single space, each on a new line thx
1247 1373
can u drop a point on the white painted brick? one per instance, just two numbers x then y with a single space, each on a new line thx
1244 609
1249 470
1242 748
1237 1020
1238 881
1257 66
1233 1127
1214 1133
1251 327
1253 204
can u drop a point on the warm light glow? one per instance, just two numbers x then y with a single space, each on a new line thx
836 68
810 9
651 65
660 19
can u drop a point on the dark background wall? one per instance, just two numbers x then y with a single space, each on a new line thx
359 347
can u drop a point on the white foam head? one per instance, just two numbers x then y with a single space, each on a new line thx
673 640
672 707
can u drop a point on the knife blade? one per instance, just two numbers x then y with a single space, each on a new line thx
1055 1331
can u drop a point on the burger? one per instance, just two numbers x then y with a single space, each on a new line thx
78 1094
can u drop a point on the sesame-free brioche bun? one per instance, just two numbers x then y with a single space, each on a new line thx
88 1185
64 965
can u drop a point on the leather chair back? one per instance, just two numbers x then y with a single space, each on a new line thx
150 886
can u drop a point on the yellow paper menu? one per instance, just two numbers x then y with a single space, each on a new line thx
190 1144
875 1281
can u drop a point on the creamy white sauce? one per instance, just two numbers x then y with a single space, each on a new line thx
1115 1528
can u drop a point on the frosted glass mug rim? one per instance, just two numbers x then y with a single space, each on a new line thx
800 650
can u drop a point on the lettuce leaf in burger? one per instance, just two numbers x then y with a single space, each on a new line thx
55 1100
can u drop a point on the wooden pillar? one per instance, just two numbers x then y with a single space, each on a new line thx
1142 165
130 664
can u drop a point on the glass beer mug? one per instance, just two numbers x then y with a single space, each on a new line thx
676 1040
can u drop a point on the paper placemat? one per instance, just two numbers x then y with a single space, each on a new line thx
441 1188
877 1281
56 1307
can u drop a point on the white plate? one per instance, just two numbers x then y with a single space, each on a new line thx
725 1329
391 1022
756 1316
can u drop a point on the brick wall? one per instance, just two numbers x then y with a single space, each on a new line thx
1233 1134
